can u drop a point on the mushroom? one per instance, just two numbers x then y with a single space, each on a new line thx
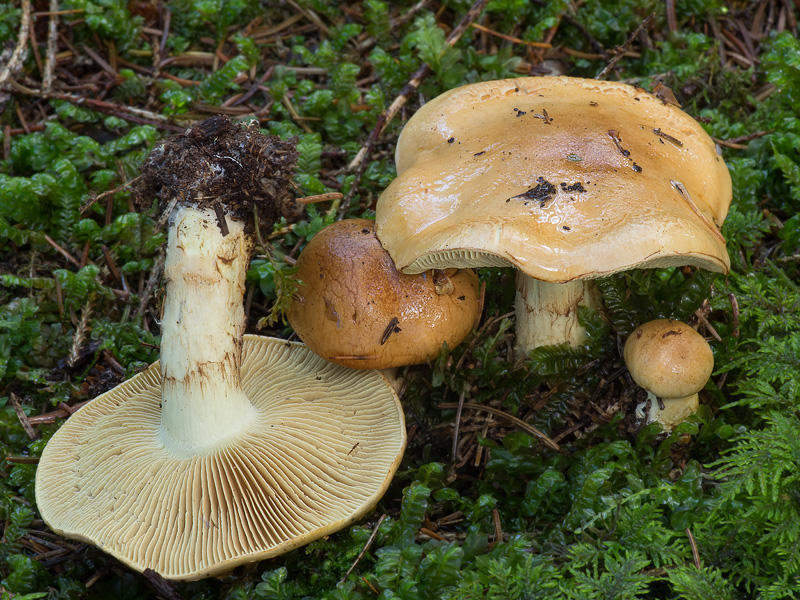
672 362
564 179
356 309
232 448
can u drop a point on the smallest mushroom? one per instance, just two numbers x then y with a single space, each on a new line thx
672 362
356 309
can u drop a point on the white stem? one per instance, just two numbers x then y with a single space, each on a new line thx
676 410
547 313
390 374
203 403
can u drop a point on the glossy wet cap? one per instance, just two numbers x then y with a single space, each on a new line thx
319 455
669 358
560 177
356 309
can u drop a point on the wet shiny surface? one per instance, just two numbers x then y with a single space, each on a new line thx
357 310
561 177
668 358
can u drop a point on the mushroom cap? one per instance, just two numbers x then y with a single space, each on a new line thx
668 358
319 455
560 177
356 309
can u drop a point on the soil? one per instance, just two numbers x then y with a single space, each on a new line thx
218 164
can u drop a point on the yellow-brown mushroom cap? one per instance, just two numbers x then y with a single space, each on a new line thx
560 177
356 309
669 358
319 454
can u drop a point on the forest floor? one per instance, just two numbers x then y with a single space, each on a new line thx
519 481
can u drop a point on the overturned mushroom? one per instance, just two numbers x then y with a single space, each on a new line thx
672 362
230 449
564 179
356 309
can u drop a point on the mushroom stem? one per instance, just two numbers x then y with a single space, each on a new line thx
390 374
547 313
675 411
201 347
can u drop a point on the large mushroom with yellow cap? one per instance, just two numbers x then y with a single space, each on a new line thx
356 309
232 448
565 180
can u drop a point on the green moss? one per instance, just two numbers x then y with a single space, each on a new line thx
614 513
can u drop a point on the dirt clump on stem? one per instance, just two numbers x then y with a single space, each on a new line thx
221 165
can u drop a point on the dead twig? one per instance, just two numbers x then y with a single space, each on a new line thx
480 448
735 309
253 88
128 113
619 51
162 46
311 16
52 40
598 47
737 141
294 114
99 574
364 549
431 534
152 280
409 14
727 144
24 460
458 422
498 528
369 584
18 55
709 327
672 20
62 412
319 198
511 418
23 418
482 331
101 62
86 206
509 37
695 552
61 251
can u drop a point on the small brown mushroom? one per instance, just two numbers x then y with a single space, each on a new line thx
356 309
672 362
